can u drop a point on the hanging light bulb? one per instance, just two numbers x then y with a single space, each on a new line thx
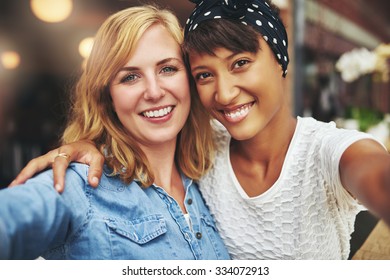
51 10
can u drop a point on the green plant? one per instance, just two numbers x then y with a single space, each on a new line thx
365 117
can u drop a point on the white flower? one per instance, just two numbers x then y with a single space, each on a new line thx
356 63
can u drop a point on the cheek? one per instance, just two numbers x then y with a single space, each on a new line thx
122 100
205 95
117 103
180 88
184 97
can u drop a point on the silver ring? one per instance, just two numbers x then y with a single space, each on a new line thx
63 155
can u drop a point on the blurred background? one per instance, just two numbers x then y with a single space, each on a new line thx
339 67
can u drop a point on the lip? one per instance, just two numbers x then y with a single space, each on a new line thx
237 113
158 114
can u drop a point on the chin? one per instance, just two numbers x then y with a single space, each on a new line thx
243 131
240 135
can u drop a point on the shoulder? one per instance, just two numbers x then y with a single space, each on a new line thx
74 173
78 169
328 134
76 182
312 126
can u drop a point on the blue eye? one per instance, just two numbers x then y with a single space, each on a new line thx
169 69
129 78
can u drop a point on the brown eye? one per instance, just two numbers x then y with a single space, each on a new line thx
240 63
202 76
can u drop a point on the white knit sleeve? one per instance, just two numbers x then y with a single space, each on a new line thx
334 143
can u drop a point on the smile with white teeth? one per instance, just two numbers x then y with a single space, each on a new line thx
241 111
158 113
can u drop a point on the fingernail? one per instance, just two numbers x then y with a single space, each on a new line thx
58 187
95 180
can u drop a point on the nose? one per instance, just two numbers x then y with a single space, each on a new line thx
153 89
226 90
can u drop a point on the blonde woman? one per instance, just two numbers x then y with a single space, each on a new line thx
133 102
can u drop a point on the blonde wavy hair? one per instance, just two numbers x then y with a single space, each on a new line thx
93 117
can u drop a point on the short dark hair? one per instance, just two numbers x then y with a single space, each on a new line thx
221 33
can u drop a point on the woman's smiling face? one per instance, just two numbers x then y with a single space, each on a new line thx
241 90
151 94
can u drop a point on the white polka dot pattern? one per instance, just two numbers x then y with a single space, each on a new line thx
249 12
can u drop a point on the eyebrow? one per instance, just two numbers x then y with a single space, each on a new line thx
198 68
167 60
164 61
225 58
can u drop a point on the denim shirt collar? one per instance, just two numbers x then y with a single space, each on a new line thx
107 171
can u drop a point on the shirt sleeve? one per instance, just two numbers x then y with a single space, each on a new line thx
34 217
335 142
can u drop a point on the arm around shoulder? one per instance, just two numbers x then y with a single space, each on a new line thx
83 151
365 173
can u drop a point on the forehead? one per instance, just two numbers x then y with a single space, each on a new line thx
201 61
223 58
222 53
155 43
217 53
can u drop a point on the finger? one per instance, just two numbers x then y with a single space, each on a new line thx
34 166
60 164
95 169
27 172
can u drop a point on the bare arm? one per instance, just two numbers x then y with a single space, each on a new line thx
80 151
365 173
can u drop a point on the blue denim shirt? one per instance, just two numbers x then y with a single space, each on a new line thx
113 221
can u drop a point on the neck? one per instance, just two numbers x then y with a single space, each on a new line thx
257 162
272 142
162 161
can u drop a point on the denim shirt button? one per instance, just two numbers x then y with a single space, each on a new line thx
189 201
198 235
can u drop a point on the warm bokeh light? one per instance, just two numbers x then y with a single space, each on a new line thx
85 47
282 4
10 59
51 10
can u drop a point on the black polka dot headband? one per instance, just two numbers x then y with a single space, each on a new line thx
256 13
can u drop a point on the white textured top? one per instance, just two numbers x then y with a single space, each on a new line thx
306 214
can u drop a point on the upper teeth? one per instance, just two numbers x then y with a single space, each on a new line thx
158 113
238 112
